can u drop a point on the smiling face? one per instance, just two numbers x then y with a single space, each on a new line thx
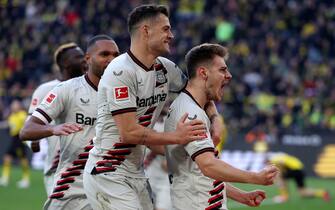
218 77
159 35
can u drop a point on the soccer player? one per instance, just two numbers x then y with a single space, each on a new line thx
156 169
71 63
292 168
131 95
196 174
74 102
16 148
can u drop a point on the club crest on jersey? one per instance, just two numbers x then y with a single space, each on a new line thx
160 77
121 94
51 97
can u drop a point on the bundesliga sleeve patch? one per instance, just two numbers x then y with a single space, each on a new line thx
34 102
121 94
51 97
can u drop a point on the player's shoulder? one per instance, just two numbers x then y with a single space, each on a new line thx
185 104
120 61
47 85
70 84
167 63
120 66
73 81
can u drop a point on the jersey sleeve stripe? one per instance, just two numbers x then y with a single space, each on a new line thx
207 149
121 111
45 115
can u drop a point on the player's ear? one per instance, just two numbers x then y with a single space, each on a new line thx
145 30
87 57
203 73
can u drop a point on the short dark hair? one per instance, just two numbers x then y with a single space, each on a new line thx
60 52
203 53
144 12
96 38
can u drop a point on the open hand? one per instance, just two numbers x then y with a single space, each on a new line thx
190 131
66 129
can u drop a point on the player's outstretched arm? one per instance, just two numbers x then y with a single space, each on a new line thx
222 171
253 198
133 133
35 129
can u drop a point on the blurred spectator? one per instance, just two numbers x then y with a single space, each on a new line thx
17 148
282 51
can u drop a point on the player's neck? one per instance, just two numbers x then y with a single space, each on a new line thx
140 51
198 93
93 78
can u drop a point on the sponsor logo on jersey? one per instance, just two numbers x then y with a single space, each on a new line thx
140 82
51 97
84 101
34 102
117 73
82 119
152 100
121 94
192 118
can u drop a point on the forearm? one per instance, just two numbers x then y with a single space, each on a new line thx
133 133
220 170
33 132
225 172
146 136
234 193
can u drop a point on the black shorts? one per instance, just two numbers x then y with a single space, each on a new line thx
16 147
297 175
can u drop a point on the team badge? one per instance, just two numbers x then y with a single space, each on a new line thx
121 94
51 97
160 76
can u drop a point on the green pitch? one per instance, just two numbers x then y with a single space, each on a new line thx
32 198
295 202
12 198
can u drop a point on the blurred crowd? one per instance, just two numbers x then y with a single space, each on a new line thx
281 51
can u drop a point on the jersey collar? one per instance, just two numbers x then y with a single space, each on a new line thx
90 83
190 95
138 62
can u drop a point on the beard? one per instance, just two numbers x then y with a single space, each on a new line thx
212 94
98 70
160 49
